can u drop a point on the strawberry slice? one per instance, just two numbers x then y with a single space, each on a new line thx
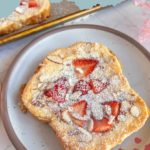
82 86
83 67
59 91
115 107
80 107
101 125
97 86
78 122
32 3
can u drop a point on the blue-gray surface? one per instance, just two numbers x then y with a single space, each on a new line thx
7 6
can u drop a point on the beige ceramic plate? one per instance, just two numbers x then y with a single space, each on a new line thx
24 130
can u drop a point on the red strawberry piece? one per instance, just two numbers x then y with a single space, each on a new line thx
82 86
115 107
84 67
32 3
80 107
58 92
78 122
101 125
48 93
97 86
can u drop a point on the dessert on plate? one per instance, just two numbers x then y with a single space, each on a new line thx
84 96
28 12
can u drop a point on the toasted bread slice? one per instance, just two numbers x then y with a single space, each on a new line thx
83 95
27 13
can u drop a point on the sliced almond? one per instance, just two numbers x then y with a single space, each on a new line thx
39 85
66 116
43 78
135 112
111 119
55 59
35 93
79 70
90 125
85 136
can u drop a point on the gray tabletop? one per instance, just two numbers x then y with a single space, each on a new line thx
125 17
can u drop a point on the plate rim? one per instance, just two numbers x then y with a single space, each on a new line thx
3 97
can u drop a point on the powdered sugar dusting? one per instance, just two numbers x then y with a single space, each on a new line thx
97 110
115 81
121 117
107 109
101 86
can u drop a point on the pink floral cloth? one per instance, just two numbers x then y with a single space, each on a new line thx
144 32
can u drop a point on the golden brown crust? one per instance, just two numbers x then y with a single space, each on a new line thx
10 28
37 17
52 64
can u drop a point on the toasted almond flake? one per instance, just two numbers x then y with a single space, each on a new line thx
135 112
35 93
53 106
55 59
66 117
43 78
85 136
90 125
39 85
79 70
111 119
